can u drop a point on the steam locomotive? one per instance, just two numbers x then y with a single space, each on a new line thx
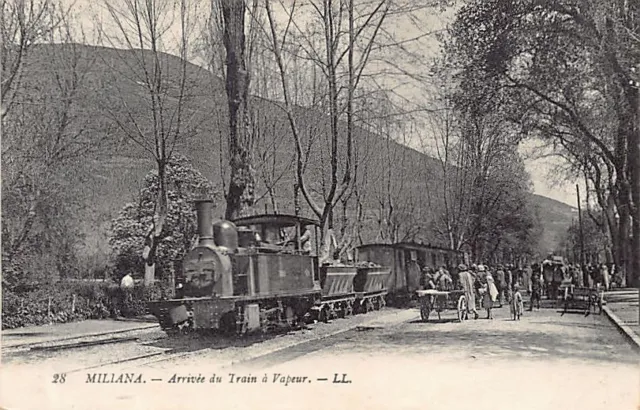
255 273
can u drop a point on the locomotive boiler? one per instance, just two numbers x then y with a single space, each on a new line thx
262 272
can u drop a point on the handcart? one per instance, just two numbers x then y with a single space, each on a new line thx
582 299
439 301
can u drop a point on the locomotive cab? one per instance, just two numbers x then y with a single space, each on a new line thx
283 235
280 233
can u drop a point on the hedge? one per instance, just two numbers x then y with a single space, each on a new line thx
63 302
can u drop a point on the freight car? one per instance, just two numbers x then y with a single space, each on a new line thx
407 261
256 273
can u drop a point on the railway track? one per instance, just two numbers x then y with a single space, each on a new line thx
129 352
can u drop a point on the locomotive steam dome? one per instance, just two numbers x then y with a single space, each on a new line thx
225 235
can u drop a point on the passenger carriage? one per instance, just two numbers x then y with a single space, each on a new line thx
406 261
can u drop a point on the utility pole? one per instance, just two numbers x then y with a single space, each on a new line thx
634 151
585 275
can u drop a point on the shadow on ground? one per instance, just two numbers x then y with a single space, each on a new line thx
570 337
211 340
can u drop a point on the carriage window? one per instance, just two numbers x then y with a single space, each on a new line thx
434 261
422 259
414 256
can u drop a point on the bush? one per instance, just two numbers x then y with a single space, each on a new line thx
94 300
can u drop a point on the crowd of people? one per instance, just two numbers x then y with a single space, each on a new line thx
487 287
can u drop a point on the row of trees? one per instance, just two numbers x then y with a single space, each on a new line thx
346 49
565 72
324 77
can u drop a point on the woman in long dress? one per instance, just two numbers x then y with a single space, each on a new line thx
490 295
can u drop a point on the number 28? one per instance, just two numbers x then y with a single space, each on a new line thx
59 378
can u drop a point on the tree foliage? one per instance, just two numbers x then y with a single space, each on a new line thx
561 72
128 230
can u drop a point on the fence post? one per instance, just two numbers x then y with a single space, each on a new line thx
73 304
49 310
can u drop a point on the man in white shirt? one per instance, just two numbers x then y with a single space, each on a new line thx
126 282
126 288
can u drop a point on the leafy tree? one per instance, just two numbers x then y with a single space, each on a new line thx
128 231
562 69
595 242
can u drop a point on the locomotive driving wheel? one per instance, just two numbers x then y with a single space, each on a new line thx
462 309
290 316
425 308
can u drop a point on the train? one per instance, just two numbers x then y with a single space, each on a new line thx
407 261
255 273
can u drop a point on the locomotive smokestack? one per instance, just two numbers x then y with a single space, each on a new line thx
204 211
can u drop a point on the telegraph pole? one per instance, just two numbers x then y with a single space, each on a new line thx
585 275
634 151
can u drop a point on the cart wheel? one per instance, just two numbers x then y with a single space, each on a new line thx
376 304
425 309
462 308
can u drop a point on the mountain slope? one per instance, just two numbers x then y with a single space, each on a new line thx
556 217
117 169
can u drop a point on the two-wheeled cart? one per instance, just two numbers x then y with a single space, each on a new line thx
439 301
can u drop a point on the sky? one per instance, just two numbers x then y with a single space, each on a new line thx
545 180
543 175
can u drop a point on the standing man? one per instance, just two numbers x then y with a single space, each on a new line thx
509 277
126 290
547 274
305 241
527 273
536 286
604 273
558 277
501 284
467 282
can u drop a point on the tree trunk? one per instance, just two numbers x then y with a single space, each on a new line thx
634 161
149 274
623 242
240 197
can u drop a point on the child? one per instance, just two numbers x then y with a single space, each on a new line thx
517 306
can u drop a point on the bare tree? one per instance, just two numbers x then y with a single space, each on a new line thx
159 117
23 23
341 63
228 41
46 136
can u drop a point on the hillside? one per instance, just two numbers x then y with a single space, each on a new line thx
118 168
556 218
